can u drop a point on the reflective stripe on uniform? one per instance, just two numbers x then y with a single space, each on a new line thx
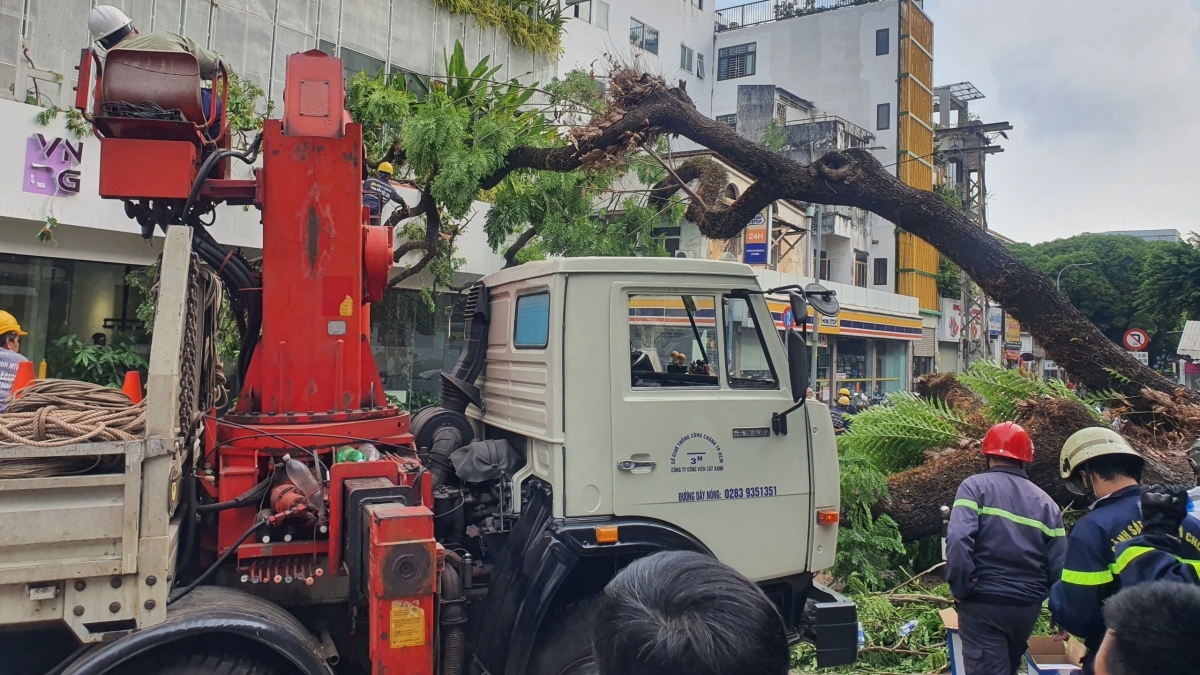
1020 520
1087 578
1128 556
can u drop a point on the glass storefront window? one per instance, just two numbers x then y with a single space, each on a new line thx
414 343
853 364
822 385
889 365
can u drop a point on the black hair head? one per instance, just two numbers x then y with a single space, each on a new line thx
1155 628
1111 467
685 613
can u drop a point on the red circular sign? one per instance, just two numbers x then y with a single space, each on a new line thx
1136 339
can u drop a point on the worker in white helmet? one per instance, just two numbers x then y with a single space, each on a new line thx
111 29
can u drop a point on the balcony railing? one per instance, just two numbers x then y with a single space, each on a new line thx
774 10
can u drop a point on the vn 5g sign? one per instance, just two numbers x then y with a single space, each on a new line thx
51 165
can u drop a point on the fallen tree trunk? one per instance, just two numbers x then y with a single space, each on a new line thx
916 495
643 107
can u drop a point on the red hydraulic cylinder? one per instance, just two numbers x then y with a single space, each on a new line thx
405 565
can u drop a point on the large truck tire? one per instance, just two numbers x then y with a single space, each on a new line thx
167 663
565 646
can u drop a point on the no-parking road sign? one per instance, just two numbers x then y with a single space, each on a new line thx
1136 339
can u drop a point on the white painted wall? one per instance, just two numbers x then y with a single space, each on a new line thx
679 22
829 58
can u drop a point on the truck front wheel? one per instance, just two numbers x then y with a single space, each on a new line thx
565 645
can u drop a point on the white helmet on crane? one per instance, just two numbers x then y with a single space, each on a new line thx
107 22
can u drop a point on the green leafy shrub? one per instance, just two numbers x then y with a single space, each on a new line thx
71 359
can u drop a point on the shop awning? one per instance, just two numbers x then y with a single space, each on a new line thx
855 323
1189 342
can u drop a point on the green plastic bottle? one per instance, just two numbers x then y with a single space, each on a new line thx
349 454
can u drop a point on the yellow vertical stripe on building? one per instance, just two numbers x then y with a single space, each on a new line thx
917 260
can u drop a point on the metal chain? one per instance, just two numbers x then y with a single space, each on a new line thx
188 413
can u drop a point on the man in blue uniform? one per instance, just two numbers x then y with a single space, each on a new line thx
1100 462
378 191
1005 546
1157 554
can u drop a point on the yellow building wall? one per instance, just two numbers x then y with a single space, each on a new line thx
916 273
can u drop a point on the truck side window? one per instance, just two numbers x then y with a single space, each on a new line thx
531 327
673 341
746 360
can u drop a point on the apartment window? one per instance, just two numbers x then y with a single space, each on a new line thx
824 270
860 269
700 66
883 116
698 4
729 120
881 271
594 12
641 35
882 41
686 58
670 238
781 112
734 62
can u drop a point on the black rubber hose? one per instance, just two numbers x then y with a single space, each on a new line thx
190 526
211 161
180 592
445 441
253 494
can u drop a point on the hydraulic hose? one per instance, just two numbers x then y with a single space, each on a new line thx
253 494
206 168
180 592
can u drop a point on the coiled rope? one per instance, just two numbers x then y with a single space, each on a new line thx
53 413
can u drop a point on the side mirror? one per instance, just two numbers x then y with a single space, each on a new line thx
797 351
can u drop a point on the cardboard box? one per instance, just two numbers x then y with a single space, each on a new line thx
1046 656
953 641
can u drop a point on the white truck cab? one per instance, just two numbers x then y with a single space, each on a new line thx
642 393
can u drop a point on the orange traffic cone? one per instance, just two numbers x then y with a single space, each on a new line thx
24 376
133 386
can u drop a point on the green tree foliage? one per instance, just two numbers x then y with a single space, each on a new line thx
949 279
1110 291
1171 279
536 25
894 438
71 359
445 135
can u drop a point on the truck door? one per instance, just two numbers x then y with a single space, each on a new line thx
696 374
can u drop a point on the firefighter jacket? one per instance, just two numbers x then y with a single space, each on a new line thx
1094 570
1140 560
1005 543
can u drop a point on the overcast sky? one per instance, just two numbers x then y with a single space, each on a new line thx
1104 96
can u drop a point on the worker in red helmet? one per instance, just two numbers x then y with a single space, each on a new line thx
1005 547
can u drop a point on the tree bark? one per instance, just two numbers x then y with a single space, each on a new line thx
849 178
916 495
430 245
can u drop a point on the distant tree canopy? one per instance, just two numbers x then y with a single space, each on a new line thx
1129 283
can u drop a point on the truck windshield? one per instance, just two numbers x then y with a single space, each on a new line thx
746 361
671 339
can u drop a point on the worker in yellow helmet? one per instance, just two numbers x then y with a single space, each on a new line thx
378 191
10 342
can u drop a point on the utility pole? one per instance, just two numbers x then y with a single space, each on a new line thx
816 350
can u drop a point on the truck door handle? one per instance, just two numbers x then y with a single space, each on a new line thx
636 466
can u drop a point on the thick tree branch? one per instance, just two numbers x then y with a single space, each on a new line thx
431 245
510 254
644 108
